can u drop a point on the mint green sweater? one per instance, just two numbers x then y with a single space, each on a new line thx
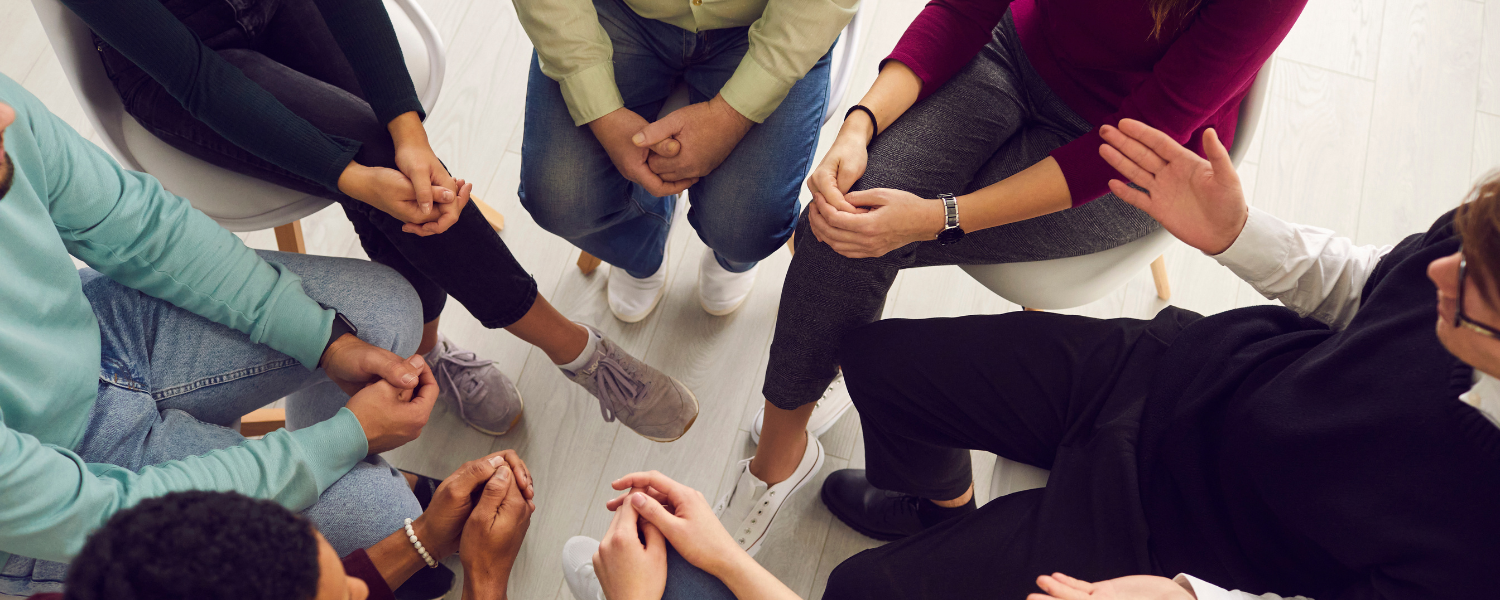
70 197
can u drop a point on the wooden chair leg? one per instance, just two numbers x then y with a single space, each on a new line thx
289 238
587 262
1029 309
262 421
1159 274
497 220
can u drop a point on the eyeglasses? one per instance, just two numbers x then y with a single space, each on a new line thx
1459 318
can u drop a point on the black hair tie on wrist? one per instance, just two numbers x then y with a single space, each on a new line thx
875 123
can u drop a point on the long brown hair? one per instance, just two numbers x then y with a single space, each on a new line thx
1161 10
1478 225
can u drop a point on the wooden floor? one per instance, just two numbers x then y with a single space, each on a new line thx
1382 114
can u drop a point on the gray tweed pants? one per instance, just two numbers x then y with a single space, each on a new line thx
992 120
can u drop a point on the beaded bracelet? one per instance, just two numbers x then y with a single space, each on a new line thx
412 535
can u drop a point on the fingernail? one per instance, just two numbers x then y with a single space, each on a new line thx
638 499
495 461
409 378
415 360
504 472
639 137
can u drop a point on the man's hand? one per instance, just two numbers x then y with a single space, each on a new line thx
392 416
885 219
454 500
615 132
492 536
353 363
391 192
1198 201
707 132
1135 587
628 568
684 517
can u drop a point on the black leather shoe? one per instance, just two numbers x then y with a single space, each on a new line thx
883 515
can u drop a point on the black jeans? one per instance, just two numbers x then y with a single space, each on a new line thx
285 47
1055 391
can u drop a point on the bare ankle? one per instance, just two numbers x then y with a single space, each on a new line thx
774 467
959 501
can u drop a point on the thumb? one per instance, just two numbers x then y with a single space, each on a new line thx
667 148
473 474
865 198
400 373
494 491
654 133
652 511
421 183
1218 156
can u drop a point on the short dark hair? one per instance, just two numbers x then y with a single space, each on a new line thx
1478 224
197 545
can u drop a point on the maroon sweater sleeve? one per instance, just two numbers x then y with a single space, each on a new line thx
1209 66
945 36
358 564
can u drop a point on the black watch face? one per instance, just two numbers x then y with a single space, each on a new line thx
950 236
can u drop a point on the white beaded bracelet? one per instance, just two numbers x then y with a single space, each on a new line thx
412 535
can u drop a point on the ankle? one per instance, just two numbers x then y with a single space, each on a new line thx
963 499
775 466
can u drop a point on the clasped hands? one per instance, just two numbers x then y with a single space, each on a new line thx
670 155
419 191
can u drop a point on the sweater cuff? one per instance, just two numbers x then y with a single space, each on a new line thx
295 324
1087 173
1261 250
332 447
754 91
340 161
591 93
358 564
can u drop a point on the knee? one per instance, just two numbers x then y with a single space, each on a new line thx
866 351
854 579
390 312
747 236
554 192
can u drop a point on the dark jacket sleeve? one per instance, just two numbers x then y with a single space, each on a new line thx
214 91
364 32
358 564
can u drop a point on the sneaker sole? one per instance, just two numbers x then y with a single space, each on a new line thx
691 396
646 313
508 428
811 473
720 313
884 537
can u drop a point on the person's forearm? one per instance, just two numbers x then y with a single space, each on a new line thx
750 581
407 129
475 589
395 556
894 91
1040 189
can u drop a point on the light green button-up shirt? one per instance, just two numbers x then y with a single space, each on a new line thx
786 38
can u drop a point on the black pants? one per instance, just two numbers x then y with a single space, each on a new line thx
285 47
1055 391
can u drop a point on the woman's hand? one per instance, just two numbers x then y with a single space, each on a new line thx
1199 201
684 517
391 192
844 163
885 220
1135 587
447 211
454 500
628 568
492 536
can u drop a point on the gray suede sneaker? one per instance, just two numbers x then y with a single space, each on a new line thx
486 399
656 406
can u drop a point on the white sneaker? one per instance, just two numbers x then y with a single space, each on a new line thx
633 299
578 568
719 291
834 403
750 506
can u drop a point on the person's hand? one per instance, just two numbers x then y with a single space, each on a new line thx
885 219
684 517
416 160
392 416
1135 587
843 165
353 363
492 536
443 521
707 132
391 192
446 210
1198 201
615 132
628 568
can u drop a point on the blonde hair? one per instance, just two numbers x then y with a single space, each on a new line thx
1161 10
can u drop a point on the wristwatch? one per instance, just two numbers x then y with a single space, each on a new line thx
341 326
951 232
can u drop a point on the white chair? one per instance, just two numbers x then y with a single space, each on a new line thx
841 71
237 202
1070 282
1078 280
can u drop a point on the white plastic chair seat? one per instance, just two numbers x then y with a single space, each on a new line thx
237 202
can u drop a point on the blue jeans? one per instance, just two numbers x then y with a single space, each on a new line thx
171 383
744 210
687 582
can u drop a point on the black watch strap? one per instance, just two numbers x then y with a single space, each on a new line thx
341 326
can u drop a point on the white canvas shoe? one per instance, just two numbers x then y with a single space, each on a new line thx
834 403
719 291
578 568
750 506
633 299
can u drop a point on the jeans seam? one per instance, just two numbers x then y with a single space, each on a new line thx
198 384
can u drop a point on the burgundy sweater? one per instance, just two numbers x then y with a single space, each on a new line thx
357 564
1099 57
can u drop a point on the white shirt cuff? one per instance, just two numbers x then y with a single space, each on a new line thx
1203 590
1262 248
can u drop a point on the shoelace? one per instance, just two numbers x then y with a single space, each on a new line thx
617 388
723 503
460 370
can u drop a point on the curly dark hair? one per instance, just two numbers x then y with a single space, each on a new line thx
197 546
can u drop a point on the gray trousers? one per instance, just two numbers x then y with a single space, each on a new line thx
992 120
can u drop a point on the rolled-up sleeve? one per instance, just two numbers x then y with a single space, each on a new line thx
574 51
785 43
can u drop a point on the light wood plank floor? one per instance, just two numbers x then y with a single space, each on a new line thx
1382 114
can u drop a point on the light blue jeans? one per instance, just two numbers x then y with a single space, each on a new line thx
744 210
171 383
